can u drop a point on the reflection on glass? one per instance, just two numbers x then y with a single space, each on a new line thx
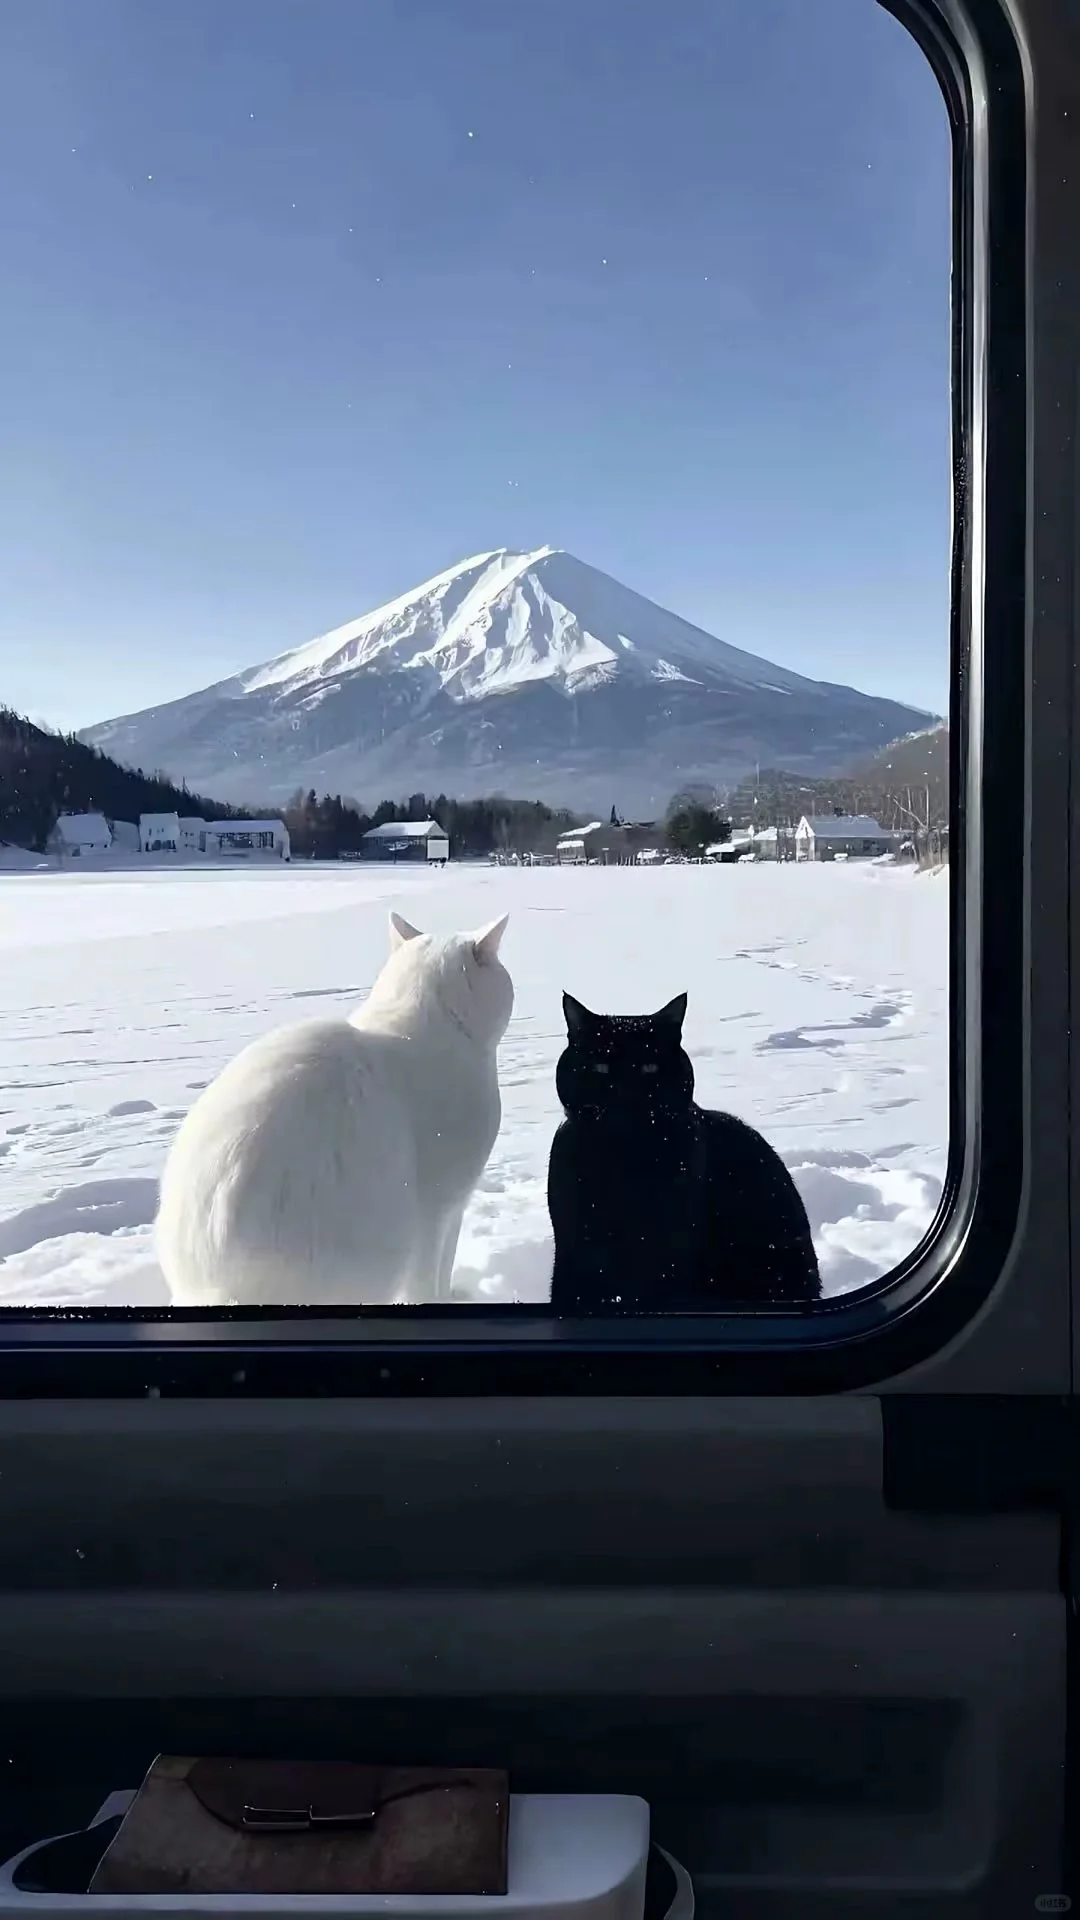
601 434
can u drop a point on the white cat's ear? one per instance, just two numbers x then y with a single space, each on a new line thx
673 1014
401 931
577 1016
486 942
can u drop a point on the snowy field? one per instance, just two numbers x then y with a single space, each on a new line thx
818 1011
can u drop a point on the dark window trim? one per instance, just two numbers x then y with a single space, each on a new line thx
854 1341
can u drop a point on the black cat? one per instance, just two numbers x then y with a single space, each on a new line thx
657 1204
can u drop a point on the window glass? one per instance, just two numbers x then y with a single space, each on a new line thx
463 460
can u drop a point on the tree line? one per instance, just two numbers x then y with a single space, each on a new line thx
774 798
43 775
327 828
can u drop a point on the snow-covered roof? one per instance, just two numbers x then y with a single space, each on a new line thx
846 826
84 830
728 846
191 820
505 619
578 833
155 822
407 830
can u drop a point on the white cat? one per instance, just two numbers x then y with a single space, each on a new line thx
331 1162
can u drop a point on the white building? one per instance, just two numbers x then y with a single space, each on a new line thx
407 840
125 835
79 834
727 852
852 836
572 849
601 841
192 833
773 843
159 832
245 839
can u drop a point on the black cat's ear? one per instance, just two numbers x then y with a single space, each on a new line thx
577 1016
673 1014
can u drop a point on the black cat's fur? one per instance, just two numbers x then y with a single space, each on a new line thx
657 1204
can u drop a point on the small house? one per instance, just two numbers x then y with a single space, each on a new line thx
245 839
773 843
125 835
407 840
192 833
572 848
77 835
848 836
602 842
159 832
727 853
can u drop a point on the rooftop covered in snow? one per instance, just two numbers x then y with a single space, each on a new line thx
84 830
407 830
845 826
576 833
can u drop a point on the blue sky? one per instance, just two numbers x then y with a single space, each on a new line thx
304 302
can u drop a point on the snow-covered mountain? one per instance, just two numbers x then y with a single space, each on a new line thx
530 674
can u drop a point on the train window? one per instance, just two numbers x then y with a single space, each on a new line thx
576 924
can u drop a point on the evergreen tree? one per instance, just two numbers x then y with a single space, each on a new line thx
691 826
44 774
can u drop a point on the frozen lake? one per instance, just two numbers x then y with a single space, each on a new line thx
818 1011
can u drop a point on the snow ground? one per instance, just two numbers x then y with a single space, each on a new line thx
818 1011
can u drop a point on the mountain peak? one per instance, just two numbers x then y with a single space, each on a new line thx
427 617
512 671
499 620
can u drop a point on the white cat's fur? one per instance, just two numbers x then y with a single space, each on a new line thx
331 1162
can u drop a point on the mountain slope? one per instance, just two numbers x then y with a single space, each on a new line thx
46 774
917 765
906 785
526 672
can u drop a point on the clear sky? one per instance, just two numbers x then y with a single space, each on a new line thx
305 300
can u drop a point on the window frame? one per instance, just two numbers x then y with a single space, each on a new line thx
866 1337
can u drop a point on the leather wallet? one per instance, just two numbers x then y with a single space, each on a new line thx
257 1826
